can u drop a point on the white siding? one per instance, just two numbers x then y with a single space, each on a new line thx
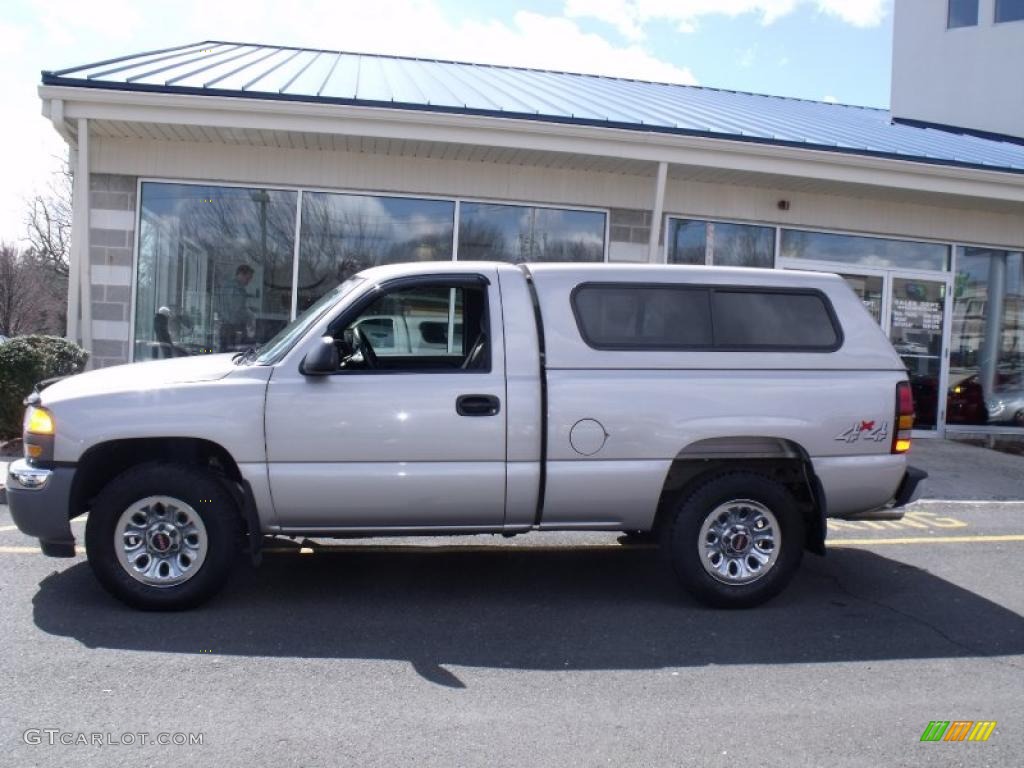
858 211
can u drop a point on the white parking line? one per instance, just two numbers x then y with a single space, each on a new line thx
968 502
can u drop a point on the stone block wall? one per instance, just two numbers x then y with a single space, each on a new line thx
112 213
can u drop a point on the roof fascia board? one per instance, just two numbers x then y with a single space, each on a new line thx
422 125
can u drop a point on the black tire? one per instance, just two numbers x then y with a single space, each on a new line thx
681 534
211 501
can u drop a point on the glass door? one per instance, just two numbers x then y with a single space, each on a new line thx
870 288
916 325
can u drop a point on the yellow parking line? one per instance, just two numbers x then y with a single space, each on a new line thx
29 551
926 540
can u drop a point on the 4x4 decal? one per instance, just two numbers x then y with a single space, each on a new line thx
866 430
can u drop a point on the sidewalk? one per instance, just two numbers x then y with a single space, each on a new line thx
965 472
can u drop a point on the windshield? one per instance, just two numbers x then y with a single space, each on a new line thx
296 329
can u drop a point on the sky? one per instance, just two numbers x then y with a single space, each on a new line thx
827 50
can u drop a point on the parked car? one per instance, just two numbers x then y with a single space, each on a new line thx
965 402
729 411
1006 407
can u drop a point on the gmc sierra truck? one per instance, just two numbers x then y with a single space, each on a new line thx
729 412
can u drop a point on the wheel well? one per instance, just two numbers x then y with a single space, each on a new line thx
781 460
102 463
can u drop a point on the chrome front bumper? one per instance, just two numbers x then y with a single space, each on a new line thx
39 500
23 476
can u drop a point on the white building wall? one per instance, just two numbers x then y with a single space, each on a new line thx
856 212
969 77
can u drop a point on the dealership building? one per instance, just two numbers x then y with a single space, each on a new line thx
221 188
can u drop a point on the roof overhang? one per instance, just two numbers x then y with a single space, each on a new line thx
64 105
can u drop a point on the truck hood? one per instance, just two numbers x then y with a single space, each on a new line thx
140 376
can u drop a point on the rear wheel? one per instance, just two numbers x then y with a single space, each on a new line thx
736 541
163 536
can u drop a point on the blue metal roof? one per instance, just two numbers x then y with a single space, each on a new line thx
268 72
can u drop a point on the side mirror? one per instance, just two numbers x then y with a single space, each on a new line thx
322 359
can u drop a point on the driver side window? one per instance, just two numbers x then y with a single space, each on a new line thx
430 327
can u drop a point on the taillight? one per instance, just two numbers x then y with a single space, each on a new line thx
904 418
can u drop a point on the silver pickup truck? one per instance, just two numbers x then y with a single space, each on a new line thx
728 412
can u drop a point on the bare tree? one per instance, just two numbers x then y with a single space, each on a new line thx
49 222
31 294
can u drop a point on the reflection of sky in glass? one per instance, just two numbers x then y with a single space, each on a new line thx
868 251
522 233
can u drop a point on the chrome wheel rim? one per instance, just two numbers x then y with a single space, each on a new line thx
160 541
739 542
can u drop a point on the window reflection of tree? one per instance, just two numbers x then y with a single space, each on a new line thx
485 240
742 246
537 235
343 234
195 233
235 226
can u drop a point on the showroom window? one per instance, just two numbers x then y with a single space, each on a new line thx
865 251
214 268
723 244
986 363
343 234
962 13
1009 10
514 233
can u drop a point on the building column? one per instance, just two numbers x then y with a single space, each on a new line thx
79 291
657 213
74 289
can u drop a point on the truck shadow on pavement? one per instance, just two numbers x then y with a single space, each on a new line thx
538 609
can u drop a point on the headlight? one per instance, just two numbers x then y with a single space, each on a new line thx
38 435
38 421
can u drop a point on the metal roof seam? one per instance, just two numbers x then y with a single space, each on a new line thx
209 65
93 65
330 72
236 70
401 82
316 55
136 63
525 94
277 66
751 139
158 70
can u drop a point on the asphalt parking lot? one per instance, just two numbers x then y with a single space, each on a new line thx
546 650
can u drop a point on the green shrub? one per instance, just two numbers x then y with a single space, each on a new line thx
25 361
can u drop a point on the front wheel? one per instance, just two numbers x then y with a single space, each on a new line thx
736 541
163 536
